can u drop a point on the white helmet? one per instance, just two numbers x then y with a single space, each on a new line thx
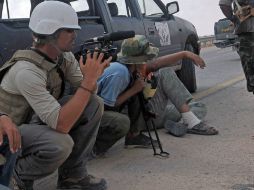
49 16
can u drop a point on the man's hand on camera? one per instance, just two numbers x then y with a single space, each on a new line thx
93 68
7 127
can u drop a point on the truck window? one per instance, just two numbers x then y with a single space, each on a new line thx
17 9
118 8
21 9
149 8
80 5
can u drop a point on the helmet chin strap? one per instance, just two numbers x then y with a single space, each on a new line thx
50 41
53 44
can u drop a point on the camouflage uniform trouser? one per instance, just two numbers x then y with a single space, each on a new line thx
170 95
246 52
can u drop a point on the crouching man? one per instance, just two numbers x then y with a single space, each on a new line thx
62 131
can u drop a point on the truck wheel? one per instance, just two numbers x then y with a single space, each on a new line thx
187 73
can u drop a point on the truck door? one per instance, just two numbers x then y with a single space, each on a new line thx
14 22
161 30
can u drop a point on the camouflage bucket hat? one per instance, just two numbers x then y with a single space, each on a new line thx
137 50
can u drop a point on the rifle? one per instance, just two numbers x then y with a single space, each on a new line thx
148 116
243 12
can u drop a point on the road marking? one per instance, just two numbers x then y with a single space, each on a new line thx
218 87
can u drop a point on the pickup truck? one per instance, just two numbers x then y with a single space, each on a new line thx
151 18
224 34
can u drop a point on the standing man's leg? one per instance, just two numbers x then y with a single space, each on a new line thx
246 52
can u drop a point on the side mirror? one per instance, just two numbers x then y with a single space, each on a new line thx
172 7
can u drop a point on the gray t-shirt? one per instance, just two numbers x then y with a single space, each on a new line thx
28 80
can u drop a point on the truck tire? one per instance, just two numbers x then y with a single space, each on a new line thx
187 73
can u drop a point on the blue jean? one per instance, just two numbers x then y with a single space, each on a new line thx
7 168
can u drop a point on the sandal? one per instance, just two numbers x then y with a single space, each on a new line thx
203 129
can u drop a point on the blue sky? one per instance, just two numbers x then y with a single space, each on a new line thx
202 13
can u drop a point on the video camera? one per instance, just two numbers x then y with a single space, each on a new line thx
106 44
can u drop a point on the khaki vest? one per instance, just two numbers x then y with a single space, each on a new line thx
16 106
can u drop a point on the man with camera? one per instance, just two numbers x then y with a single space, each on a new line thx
171 102
57 132
242 17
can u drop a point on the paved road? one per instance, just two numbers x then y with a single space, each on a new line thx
222 162
222 65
